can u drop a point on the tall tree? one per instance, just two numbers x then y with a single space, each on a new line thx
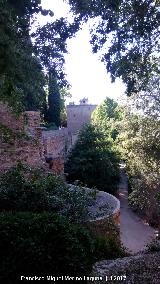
93 160
21 76
53 114
24 55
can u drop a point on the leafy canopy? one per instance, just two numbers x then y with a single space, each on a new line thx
138 142
25 54
107 117
127 32
93 160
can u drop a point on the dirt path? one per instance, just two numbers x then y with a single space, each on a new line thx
135 233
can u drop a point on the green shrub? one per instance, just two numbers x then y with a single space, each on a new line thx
42 244
24 189
139 197
139 143
93 161
109 248
47 244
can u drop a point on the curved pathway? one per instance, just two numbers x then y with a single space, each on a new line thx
135 233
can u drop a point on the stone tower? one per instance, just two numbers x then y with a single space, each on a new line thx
78 115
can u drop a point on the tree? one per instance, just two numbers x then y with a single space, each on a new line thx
148 102
21 76
56 110
139 144
128 34
25 54
107 117
93 160
53 114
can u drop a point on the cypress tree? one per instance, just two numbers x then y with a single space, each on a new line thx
53 100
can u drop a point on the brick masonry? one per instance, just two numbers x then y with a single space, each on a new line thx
40 145
28 142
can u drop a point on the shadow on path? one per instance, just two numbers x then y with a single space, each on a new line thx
135 233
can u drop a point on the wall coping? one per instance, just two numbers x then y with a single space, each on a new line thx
105 197
102 198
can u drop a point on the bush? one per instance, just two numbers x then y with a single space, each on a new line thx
24 189
93 161
139 143
109 248
42 244
139 197
47 244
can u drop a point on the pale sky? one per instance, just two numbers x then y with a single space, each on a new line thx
85 72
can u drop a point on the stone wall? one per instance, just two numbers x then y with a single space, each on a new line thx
22 139
32 122
32 144
105 220
54 142
27 121
10 120
16 141
20 150
54 147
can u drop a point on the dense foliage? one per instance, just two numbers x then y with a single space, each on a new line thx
27 52
54 101
127 33
93 160
21 75
148 102
139 142
135 131
41 245
107 117
47 244
56 114
130 30
24 189
109 248
44 239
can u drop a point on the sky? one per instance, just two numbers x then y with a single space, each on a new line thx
85 72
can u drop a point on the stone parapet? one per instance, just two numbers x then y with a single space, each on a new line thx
104 214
